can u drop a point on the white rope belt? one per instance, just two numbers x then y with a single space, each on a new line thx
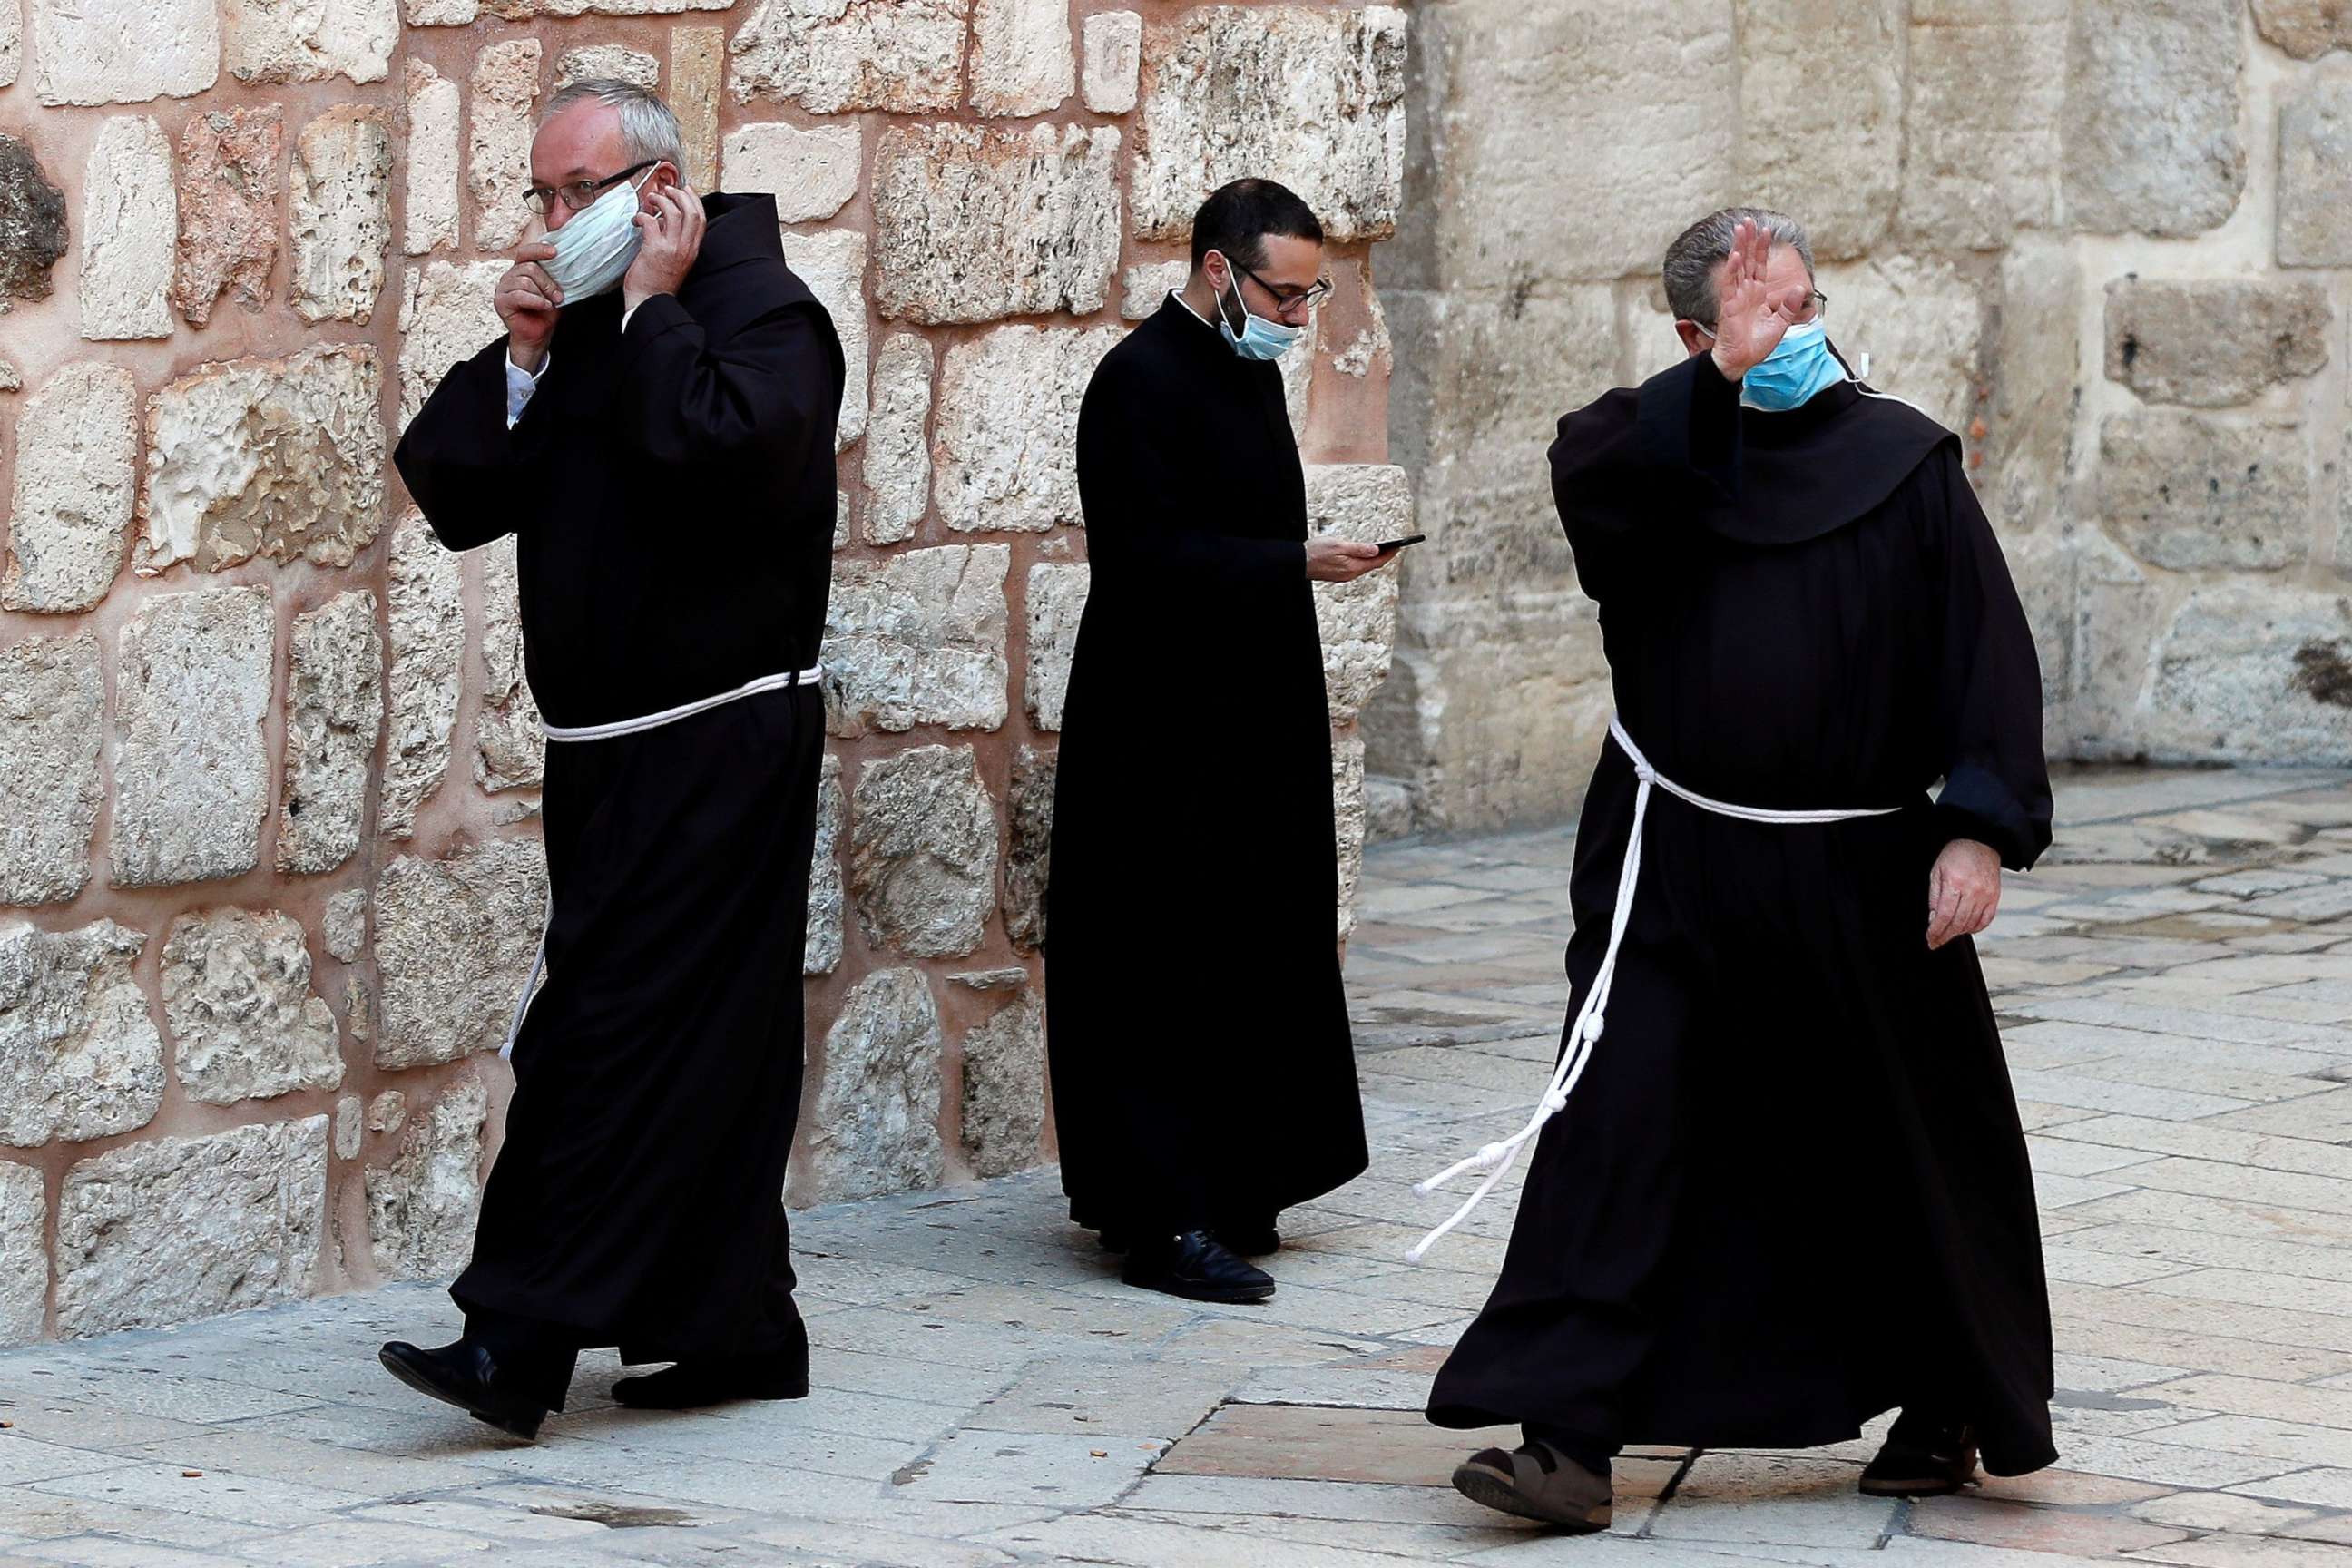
1495 1159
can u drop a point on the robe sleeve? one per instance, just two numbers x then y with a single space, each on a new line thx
1628 467
774 387
1988 697
473 478
1130 493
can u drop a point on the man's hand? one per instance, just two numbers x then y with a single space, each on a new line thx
1963 891
1330 560
526 301
1750 315
671 220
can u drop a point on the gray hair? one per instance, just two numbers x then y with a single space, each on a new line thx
648 128
1699 250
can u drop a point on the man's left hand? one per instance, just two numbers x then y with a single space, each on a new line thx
1963 891
671 220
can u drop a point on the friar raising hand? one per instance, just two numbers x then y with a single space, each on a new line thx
1778 1184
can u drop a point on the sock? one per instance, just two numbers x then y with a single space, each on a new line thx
1589 1452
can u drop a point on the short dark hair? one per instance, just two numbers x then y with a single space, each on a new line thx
1237 219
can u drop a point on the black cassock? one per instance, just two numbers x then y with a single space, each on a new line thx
1792 1190
672 489
1203 1070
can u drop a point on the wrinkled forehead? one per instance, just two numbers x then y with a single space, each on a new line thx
581 142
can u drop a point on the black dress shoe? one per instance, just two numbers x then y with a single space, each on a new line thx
464 1375
1199 1268
1922 1458
691 1384
1250 1238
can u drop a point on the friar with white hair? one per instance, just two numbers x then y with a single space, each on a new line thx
1779 1184
656 428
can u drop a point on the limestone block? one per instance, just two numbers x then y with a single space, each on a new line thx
1979 165
812 171
441 13
2189 492
1314 99
341 219
1057 600
429 213
1029 843
246 1023
2151 121
973 224
423 587
497 143
2210 342
347 1129
11 378
833 265
422 1206
2304 28
1114 60
124 51
1922 324
898 447
2315 195
918 639
1368 501
344 929
130 236
12 58
334 716
876 1127
191 764
1371 346
160 1232
1004 1087
509 746
1021 57
32 223
454 944
2035 372
2253 674
903 56
281 459
1144 289
822 954
608 62
229 160
1004 442
446 317
52 721
1348 816
923 851
77 450
1820 110
388 1112
79 1058
273 41
698 64
23 1246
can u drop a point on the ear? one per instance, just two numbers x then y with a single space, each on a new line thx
1694 341
1214 263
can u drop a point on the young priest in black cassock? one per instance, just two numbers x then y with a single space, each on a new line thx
1791 1190
1202 1073
664 452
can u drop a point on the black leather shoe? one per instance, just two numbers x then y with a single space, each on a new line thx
463 1374
691 1384
1250 1238
1199 1268
1922 1458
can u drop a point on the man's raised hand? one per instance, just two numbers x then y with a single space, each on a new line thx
671 219
1750 315
527 299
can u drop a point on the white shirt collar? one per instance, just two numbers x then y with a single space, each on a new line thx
1178 295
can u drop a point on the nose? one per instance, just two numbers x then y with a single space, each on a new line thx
558 215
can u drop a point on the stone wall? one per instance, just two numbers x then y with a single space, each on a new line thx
2108 241
268 765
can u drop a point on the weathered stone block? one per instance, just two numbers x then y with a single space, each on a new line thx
903 56
1057 600
1021 57
875 1129
1348 815
1114 60
124 51
2304 28
1028 854
697 65
2035 373
341 214
2314 190
1314 99
897 446
454 944
24 1251
922 852
334 716
1144 289
2213 342
2151 131
348 1131
1922 324
79 1058
281 459
1827 143
2257 673
1005 435
822 955
510 745
422 589
1004 1087
130 235
156 1233
429 215
973 224
52 719
274 41
388 1112
1979 165
12 52
918 639
609 62
422 1206
812 171
32 223
344 929
446 316
1369 501
497 143
246 1023
76 451
229 160
191 764
833 267
2189 492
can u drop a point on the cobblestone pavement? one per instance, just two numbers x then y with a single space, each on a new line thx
2177 986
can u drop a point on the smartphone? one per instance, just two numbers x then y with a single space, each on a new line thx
1400 544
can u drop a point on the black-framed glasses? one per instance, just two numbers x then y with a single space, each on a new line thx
579 194
1817 305
1288 299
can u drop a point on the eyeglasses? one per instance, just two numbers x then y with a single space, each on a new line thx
579 194
1817 305
1288 299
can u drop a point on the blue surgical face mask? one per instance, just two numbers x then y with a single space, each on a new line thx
1799 366
592 251
1259 339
